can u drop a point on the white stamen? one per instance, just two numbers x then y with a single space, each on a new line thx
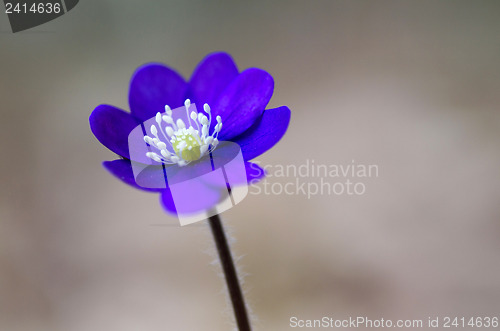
168 119
168 110
161 145
154 131
154 156
204 120
180 124
169 131
165 154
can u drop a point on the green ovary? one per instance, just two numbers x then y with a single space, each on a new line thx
192 150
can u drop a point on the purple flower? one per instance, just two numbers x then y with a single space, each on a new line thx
238 98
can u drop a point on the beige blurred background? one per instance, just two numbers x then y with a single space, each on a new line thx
412 86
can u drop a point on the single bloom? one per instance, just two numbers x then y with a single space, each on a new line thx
234 110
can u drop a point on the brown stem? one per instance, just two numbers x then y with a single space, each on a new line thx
227 263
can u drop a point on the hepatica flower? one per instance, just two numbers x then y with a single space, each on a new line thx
184 125
232 108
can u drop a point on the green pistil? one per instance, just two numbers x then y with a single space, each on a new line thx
191 147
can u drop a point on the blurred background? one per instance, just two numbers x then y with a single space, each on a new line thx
411 86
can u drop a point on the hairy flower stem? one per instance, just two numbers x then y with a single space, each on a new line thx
227 263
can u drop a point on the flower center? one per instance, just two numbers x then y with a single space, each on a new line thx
178 144
187 146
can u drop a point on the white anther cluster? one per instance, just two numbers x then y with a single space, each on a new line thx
178 144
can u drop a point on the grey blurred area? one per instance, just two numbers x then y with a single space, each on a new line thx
412 86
